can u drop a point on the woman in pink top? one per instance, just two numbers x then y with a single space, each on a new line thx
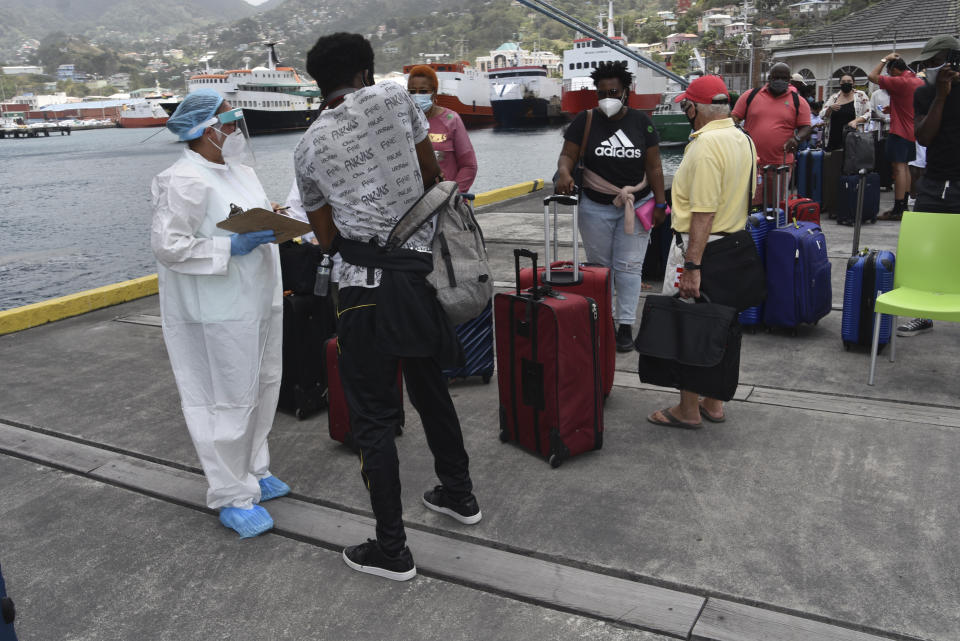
449 137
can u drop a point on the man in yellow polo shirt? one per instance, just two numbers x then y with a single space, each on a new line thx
712 190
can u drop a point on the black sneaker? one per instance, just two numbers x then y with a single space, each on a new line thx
625 338
915 326
466 511
368 557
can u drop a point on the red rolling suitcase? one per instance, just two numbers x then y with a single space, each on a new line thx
338 414
548 364
592 281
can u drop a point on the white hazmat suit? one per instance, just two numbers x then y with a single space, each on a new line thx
222 322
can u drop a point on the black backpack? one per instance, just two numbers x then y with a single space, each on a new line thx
753 94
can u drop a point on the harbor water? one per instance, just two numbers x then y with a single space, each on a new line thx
75 210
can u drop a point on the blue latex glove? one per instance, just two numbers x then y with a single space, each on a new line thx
241 244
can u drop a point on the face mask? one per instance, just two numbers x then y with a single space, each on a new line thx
846 87
235 150
778 87
423 100
932 72
610 106
693 120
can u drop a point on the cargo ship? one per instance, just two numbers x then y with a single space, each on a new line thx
463 90
579 92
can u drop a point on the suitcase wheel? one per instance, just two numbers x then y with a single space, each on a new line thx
486 377
300 414
846 346
555 461
504 436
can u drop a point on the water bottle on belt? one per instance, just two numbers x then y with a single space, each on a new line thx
322 285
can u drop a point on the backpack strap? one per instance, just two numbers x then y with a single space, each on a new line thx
753 94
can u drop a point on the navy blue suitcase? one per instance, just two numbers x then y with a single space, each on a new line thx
7 613
847 199
759 226
798 276
476 338
867 273
810 174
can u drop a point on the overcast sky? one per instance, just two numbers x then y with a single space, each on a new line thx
256 2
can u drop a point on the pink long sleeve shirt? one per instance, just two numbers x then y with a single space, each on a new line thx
451 143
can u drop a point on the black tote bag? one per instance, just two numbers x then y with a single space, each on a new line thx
732 273
689 346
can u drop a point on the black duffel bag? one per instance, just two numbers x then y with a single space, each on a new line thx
690 346
298 266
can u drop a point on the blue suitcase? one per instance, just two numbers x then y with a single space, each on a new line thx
867 273
847 199
759 226
476 338
798 276
7 613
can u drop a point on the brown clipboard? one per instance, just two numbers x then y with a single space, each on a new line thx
258 219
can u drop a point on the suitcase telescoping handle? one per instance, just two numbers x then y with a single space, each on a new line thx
561 278
526 253
858 216
765 205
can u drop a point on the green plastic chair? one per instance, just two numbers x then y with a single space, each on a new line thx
926 282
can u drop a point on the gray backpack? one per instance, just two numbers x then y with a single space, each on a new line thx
461 274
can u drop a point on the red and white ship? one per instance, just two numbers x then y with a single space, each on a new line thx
463 90
143 113
579 92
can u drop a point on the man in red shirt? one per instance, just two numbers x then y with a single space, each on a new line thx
901 143
777 119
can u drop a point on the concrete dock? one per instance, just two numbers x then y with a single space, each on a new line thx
822 509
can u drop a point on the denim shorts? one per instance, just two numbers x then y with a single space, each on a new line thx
899 149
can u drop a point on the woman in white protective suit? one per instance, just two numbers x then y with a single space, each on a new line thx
222 308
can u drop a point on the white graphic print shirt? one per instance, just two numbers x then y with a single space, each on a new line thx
360 158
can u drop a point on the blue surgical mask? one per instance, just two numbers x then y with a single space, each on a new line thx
423 100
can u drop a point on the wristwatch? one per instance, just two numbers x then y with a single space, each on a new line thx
691 266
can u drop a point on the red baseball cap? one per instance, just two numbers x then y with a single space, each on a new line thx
704 90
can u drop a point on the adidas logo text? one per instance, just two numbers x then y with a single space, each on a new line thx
618 146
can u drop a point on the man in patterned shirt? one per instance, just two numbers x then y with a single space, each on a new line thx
362 163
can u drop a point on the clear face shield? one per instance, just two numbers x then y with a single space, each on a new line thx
234 138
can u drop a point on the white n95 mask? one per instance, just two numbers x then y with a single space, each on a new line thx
610 106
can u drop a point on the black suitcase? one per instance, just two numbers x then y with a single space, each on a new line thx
832 171
308 321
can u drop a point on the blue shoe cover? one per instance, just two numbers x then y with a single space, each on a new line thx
272 487
247 523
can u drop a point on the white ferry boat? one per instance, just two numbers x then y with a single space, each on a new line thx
273 98
579 92
524 96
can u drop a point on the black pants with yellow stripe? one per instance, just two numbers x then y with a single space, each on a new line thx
369 379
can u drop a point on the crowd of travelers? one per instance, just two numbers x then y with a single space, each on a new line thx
371 153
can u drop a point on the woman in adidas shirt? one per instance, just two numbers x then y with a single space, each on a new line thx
622 170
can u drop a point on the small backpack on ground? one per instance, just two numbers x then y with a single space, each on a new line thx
461 272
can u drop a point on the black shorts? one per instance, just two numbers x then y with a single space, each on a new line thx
899 149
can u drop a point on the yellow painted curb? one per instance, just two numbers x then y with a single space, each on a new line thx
506 193
14 320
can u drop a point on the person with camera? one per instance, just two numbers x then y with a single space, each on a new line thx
900 83
936 107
